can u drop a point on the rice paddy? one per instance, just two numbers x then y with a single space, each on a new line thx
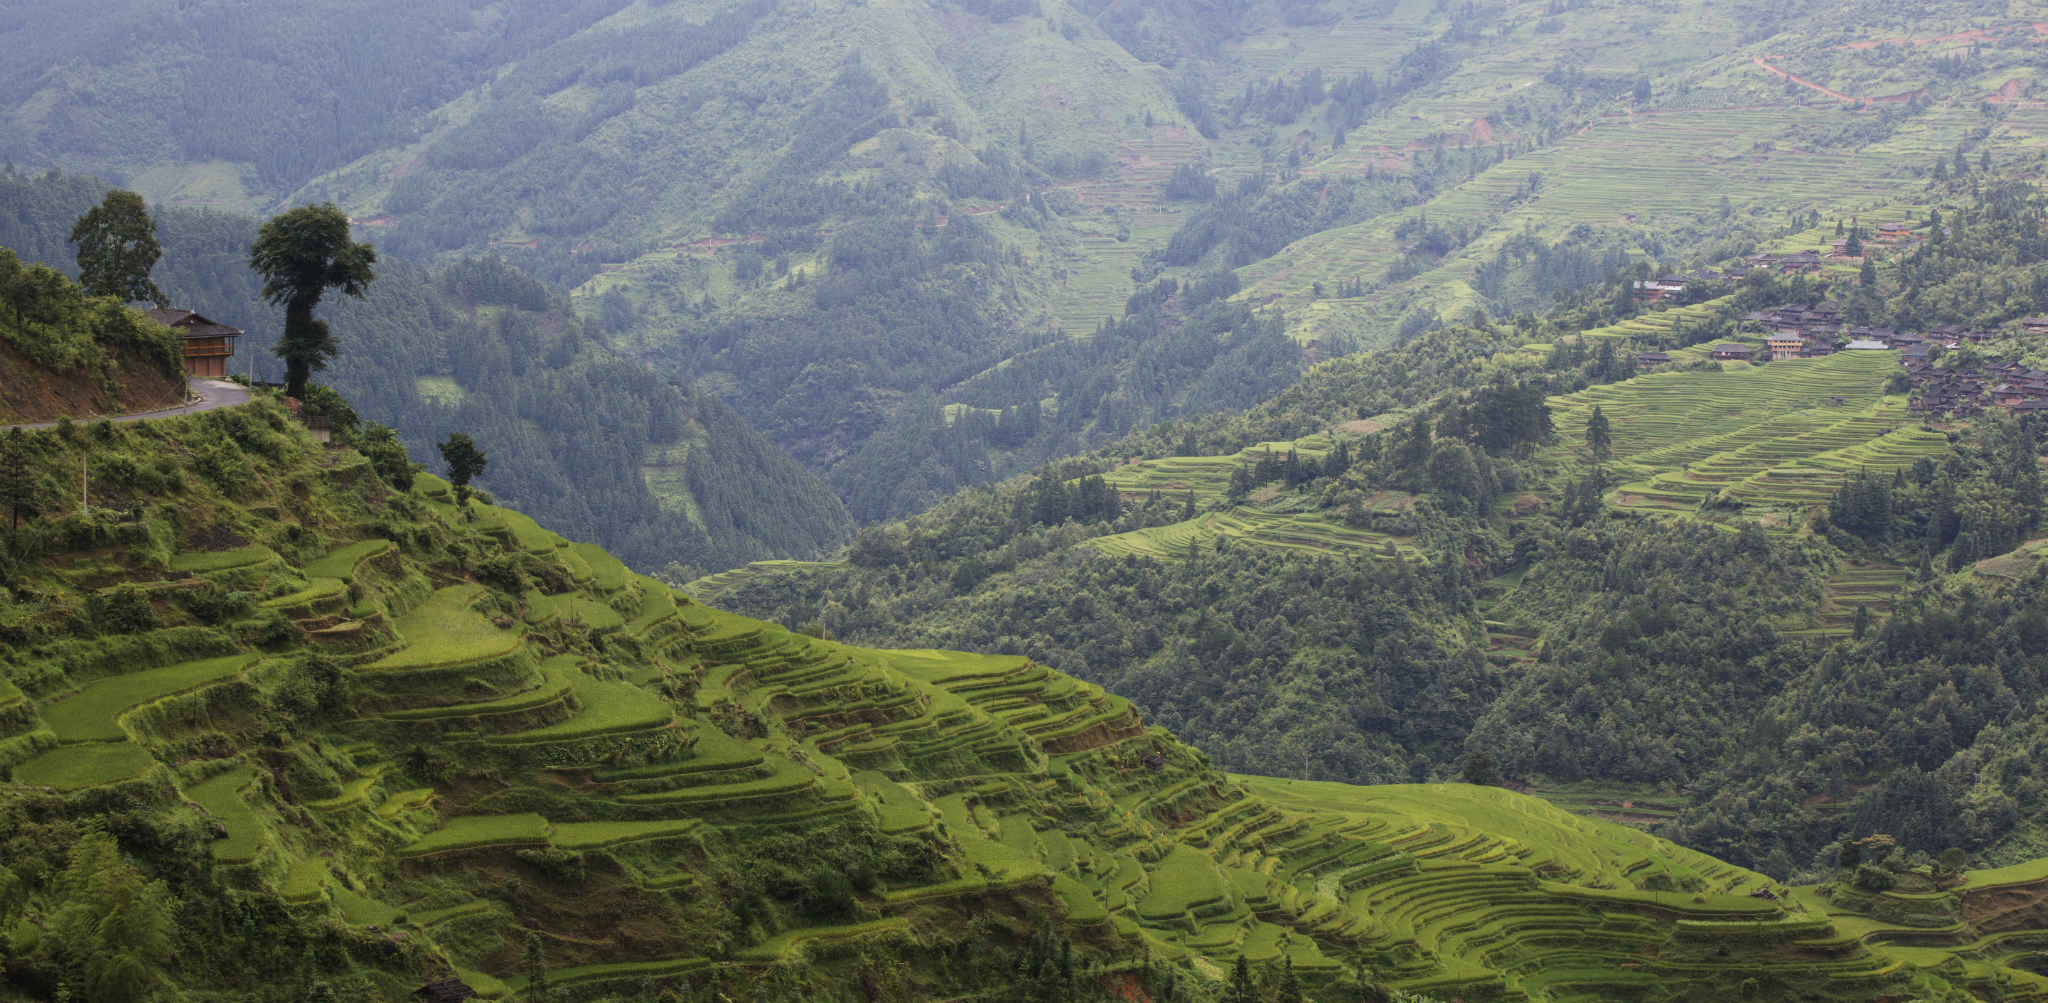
447 631
91 714
472 748
76 767
224 804
1769 441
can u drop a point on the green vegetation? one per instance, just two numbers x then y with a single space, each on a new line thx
1773 612
840 797
472 831
75 767
225 804
445 630
91 715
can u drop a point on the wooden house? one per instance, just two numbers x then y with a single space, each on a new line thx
444 991
1731 350
208 345
1651 360
2006 394
1892 233
1804 261
1785 345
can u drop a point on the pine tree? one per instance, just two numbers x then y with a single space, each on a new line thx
1241 988
17 484
1598 436
1290 985
1862 621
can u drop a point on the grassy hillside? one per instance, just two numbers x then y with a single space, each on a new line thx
370 739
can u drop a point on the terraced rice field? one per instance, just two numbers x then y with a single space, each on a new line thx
711 588
1492 884
1874 585
91 715
1294 531
1766 440
1095 279
76 767
446 630
1273 523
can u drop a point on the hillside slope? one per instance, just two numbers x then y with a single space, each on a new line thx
599 446
291 724
62 354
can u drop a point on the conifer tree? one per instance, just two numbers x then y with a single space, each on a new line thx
1290 984
1241 988
17 486
1862 621
1599 438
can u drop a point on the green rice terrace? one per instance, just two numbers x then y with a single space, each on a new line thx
1769 441
391 721
1269 518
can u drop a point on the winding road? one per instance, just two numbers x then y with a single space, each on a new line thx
212 394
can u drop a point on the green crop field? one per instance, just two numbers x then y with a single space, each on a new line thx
1185 880
594 835
573 607
221 560
607 708
1766 441
446 631
90 715
627 779
76 767
341 563
710 587
611 572
473 831
223 801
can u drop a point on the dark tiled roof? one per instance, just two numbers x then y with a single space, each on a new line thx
444 991
191 324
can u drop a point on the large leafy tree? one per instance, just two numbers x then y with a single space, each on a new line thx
301 254
465 461
117 248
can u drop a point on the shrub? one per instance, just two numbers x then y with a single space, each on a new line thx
125 610
212 604
386 453
1871 878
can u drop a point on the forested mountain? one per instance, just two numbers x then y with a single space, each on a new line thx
601 446
1730 667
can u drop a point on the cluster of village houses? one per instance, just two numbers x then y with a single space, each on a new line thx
1806 331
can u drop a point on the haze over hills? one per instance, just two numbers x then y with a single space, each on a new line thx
570 139
1035 500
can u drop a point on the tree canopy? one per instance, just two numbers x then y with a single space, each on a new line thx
301 254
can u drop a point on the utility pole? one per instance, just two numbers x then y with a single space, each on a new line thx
84 486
